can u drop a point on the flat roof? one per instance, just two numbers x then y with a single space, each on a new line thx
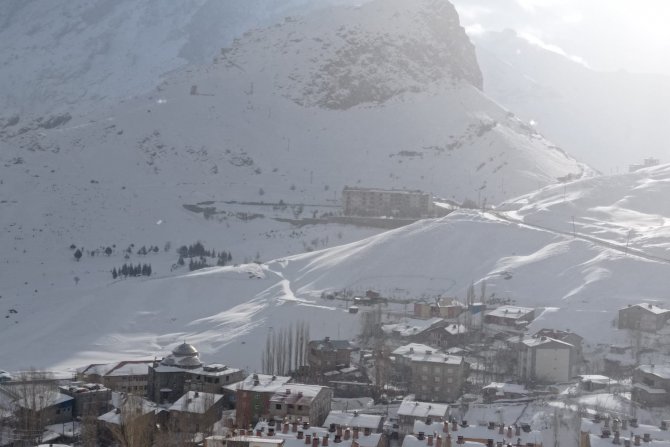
260 383
353 419
513 312
423 409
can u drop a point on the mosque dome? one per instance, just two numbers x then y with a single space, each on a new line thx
185 350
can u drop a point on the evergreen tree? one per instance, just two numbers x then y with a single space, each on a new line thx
114 274
77 254
181 260
108 251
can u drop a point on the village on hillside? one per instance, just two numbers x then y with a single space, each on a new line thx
425 374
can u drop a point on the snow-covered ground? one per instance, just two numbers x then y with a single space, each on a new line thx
576 284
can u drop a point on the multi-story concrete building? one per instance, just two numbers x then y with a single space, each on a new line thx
89 399
129 376
182 371
252 395
643 317
411 412
651 385
327 355
196 412
510 316
546 360
371 202
305 402
436 377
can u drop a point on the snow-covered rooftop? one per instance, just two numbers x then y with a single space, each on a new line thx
649 308
512 312
196 402
534 342
662 371
412 348
353 419
506 388
423 409
296 393
410 326
260 383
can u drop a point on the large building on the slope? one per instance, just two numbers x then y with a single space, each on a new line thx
183 371
371 202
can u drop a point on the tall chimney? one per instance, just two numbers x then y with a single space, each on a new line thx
637 440
438 441
517 430
315 441
300 434
454 425
324 440
501 429
339 430
647 437
367 431
347 434
447 441
616 439
445 427
355 432
308 439
509 431
430 440
294 426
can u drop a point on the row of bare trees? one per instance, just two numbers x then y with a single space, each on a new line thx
286 349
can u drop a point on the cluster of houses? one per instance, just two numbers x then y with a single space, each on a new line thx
446 355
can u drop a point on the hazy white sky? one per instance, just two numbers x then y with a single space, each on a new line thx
607 34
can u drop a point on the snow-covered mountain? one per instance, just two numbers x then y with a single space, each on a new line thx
607 119
384 95
61 55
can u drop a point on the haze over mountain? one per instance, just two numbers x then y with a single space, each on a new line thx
65 55
384 95
607 119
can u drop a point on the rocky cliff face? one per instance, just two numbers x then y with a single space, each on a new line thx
367 54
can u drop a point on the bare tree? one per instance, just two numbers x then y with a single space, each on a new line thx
33 393
285 349
134 426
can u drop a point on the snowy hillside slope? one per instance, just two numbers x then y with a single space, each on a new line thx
122 175
249 139
73 55
607 119
574 283
628 210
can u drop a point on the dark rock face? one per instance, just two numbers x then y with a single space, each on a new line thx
427 46
367 54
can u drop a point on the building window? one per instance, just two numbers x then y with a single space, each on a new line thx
299 407
278 406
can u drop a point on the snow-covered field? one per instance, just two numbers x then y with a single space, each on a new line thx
577 284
